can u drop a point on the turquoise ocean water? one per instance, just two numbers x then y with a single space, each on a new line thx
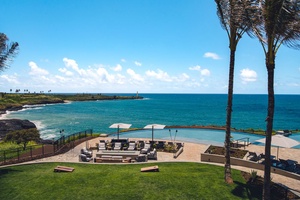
249 111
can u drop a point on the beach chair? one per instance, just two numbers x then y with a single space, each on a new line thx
132 146
118 146
146 148
152 155
102 146
253 156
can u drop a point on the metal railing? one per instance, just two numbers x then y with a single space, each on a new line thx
61 145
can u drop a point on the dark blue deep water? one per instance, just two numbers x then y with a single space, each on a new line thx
249 111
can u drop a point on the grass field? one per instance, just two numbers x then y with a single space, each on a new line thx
93 181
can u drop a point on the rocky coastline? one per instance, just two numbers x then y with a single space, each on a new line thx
8 125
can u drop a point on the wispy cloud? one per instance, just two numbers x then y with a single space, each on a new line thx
123 60
195 68
134 75
10 79
117 68
65 71
160 75
212 55
203 72
137 63
248 75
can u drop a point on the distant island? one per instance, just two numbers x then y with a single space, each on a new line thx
16 101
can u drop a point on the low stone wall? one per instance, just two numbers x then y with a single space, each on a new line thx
205 157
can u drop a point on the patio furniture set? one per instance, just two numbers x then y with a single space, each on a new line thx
122 150
288 165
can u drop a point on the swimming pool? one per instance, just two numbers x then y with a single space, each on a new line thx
201 136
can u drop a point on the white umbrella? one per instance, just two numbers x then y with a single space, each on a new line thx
120 125
280 141
154 126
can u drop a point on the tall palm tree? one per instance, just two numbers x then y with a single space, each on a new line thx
7 51
279 23
233 20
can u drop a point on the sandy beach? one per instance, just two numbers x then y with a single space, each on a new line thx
192 153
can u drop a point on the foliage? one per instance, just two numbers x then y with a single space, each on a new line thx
274 23
23 136
253 174
18 100
233 19
12 145
7 51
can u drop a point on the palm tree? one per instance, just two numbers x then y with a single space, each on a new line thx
233 20
279 23
7 51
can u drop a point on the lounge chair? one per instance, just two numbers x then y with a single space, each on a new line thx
84 158
86 152
118 146
152 155
132 146
253 156
146 148
102 146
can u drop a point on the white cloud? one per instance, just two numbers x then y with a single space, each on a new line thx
103 76
137 63
160 75
36 71
205 72
117 68
10 79
248 75
195 68
123 60
65 71
134 75
72 64
212 55
183 77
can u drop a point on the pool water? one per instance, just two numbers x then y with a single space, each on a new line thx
201 136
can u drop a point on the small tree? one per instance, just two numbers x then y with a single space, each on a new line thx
23 136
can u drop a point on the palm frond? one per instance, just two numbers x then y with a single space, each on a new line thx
7 51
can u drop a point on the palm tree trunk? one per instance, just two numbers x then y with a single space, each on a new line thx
228 177
271 104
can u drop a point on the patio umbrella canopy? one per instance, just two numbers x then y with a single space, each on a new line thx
280 141
154 126
120 125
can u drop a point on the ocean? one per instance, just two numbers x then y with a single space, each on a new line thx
249 111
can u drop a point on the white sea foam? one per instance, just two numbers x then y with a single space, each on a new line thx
48 136
39 125
33 106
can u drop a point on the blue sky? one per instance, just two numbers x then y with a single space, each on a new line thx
116 46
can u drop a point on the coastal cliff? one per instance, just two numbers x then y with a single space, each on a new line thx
14 102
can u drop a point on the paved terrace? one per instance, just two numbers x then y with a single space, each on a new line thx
191 153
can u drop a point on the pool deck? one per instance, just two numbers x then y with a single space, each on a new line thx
191 153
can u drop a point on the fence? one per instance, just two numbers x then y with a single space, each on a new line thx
61 145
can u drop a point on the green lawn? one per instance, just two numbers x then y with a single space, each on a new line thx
94 181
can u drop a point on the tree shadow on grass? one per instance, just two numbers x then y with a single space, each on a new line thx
254 190
6 171
243 190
